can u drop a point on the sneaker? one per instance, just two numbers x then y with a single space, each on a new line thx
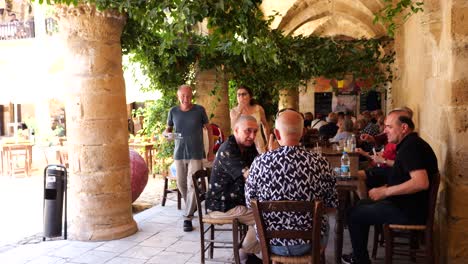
348 259
253 259
188 226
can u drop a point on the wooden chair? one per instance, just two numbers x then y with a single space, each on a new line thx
312 235
63 156
2 154
427 229
210 225
378 240
17 159
167 179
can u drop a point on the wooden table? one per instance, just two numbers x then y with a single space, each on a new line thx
148 152
345 190
334 157
7 150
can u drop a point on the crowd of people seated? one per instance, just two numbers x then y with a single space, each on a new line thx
394 185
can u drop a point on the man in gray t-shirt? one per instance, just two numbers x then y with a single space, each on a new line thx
188 120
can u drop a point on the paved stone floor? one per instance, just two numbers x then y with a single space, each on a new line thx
160 238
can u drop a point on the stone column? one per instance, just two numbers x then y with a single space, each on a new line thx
100 195
217 104
456 135
288 98
432 57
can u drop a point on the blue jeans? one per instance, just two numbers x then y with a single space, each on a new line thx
365 214
295 250
299 250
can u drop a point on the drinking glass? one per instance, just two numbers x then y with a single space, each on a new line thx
337 171
318 150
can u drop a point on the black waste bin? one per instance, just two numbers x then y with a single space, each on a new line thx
55 193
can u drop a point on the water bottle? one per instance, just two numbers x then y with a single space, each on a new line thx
353 143
345 165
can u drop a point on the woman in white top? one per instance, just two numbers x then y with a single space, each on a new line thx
345 130
247 106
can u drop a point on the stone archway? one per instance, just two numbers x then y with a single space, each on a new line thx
318 17
343 19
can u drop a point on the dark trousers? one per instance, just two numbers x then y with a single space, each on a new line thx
365 214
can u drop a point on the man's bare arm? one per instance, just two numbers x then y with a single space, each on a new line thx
419 181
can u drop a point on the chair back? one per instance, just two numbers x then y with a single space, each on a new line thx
315 208
434 189
200 183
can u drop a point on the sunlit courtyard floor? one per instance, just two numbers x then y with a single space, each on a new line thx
160 238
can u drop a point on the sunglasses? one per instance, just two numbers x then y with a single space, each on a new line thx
288 109
242 94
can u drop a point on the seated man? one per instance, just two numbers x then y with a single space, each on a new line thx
317 122
308 117
329 130
404 200
376 174
226 195
290 172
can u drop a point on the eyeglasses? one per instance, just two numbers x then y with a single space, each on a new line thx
242 94
288 109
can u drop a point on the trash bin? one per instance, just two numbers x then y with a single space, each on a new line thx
55 193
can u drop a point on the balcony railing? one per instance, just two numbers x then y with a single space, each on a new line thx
24 30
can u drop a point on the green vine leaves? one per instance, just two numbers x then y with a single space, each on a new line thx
161 36
393 11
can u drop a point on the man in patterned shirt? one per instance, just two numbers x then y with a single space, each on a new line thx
226 196
290 172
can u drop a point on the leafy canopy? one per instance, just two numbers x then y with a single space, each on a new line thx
164 37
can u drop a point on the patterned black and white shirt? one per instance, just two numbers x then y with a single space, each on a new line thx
371 129
295 174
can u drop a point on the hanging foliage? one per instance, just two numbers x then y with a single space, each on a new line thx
392 11
164 37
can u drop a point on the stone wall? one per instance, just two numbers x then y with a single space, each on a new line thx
432 58
212 93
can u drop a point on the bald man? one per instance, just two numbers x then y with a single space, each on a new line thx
290 172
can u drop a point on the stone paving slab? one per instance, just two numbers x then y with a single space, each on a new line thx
160 239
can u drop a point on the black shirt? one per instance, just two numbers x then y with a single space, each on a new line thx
413 153
328 130
226 188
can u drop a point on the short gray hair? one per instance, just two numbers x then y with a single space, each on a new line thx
245 118
184 86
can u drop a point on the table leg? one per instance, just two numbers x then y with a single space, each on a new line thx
150 166
29 154
147 159
343 201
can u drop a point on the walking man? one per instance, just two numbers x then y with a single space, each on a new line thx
188 120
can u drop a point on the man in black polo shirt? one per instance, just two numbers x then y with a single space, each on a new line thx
404 200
